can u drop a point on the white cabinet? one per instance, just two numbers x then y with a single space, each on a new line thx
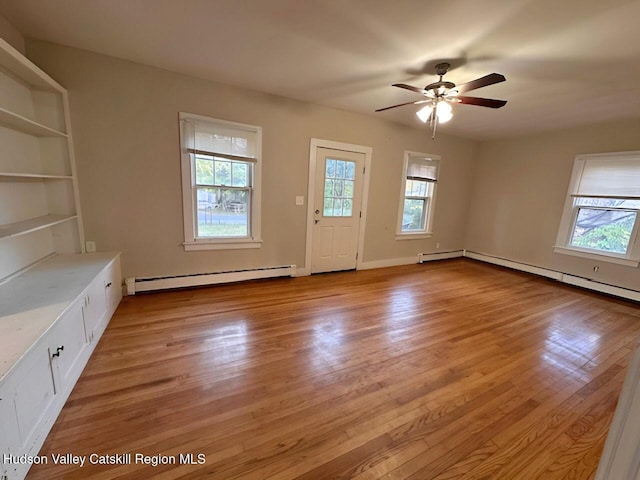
33 393
67 344
9 436
45 314
39 209
95 308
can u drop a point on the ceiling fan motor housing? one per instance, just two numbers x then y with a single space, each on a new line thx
441 70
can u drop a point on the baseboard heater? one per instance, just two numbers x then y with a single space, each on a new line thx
146 284
427 257
558 276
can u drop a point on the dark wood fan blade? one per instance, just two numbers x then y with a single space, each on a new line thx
481 82
403 104
409 87
483 102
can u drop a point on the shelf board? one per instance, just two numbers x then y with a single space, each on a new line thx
16 63
33 224
23 124
31 176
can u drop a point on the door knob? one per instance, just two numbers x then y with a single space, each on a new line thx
317 212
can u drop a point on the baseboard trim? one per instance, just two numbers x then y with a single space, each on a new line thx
556 275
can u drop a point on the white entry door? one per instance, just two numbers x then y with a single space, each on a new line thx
336 213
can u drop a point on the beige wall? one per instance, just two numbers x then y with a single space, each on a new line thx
124 118
519 193
11 35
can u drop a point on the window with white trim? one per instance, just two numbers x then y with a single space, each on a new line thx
419 178
220 183
601 215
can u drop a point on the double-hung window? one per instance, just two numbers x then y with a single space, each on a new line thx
602 210
420 175
220 183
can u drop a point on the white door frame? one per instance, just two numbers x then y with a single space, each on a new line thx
347 147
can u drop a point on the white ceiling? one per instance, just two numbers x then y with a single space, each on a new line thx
567 62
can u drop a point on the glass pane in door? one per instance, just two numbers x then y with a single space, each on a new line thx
338 188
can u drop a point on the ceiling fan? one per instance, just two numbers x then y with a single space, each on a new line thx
441 94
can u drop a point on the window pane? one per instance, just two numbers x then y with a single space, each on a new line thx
223 172
338 191
328 207
348 189
222 212
339 187
604 230
337 207
330 169
413 215
204 170
350 170
239 174
328 187
347 208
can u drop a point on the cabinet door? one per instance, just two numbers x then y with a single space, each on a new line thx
33 395
113 286
67 346
95 306
8 434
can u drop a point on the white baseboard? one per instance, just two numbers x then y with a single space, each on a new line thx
148 284
559 276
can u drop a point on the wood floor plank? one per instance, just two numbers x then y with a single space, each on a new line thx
447 370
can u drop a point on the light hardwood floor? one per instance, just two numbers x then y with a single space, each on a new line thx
447 370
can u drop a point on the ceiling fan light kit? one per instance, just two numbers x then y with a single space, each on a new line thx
441 94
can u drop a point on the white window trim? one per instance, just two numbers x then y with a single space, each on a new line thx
563 239
191 243
428 230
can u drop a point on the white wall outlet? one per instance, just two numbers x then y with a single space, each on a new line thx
438 245
299 200
90 246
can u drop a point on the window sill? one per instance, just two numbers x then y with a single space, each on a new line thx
596 256
413 236
221 245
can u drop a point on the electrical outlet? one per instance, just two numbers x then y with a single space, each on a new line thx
299 200
438 245
90 246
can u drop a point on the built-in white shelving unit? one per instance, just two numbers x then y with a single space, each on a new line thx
18 122
31 225
55 301
39 208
